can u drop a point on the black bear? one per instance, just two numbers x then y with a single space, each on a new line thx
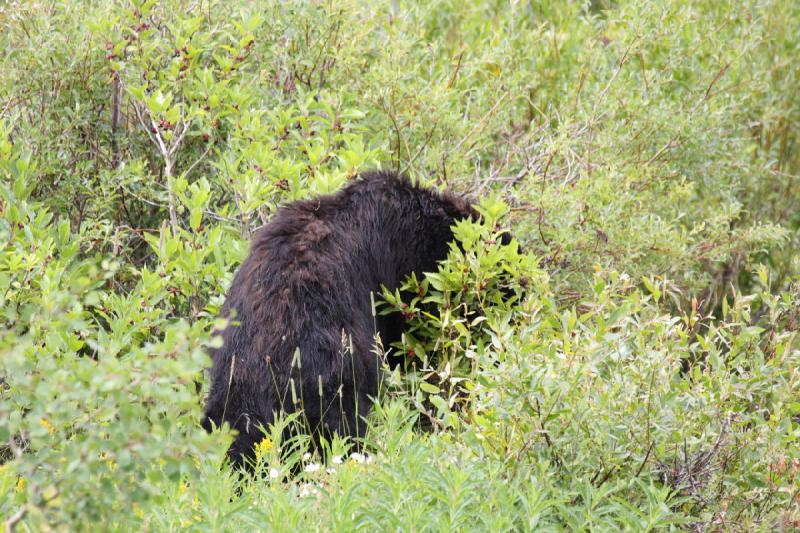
302 335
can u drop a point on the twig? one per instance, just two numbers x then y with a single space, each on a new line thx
179 139
673 141
721 72
428 138
605 477
480 125
116 97
143 123
600 100
455 72
15 518
181 128
197 161
670 144
644 461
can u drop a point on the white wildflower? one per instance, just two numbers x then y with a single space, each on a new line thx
307 489
357 457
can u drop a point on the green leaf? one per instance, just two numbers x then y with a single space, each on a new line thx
427 387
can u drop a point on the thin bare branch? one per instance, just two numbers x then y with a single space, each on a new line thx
14 519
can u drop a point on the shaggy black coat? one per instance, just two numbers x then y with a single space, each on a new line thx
303 331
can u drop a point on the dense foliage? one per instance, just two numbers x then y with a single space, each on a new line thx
633 366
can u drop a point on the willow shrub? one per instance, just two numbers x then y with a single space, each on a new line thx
633 367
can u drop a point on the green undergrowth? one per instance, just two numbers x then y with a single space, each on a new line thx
628 362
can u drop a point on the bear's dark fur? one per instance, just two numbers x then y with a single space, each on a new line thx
303 331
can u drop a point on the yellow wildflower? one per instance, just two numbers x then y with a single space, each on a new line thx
45 423
263 447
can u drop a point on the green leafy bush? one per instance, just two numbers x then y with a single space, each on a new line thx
456 316
634 368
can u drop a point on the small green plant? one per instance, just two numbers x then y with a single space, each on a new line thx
459 317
